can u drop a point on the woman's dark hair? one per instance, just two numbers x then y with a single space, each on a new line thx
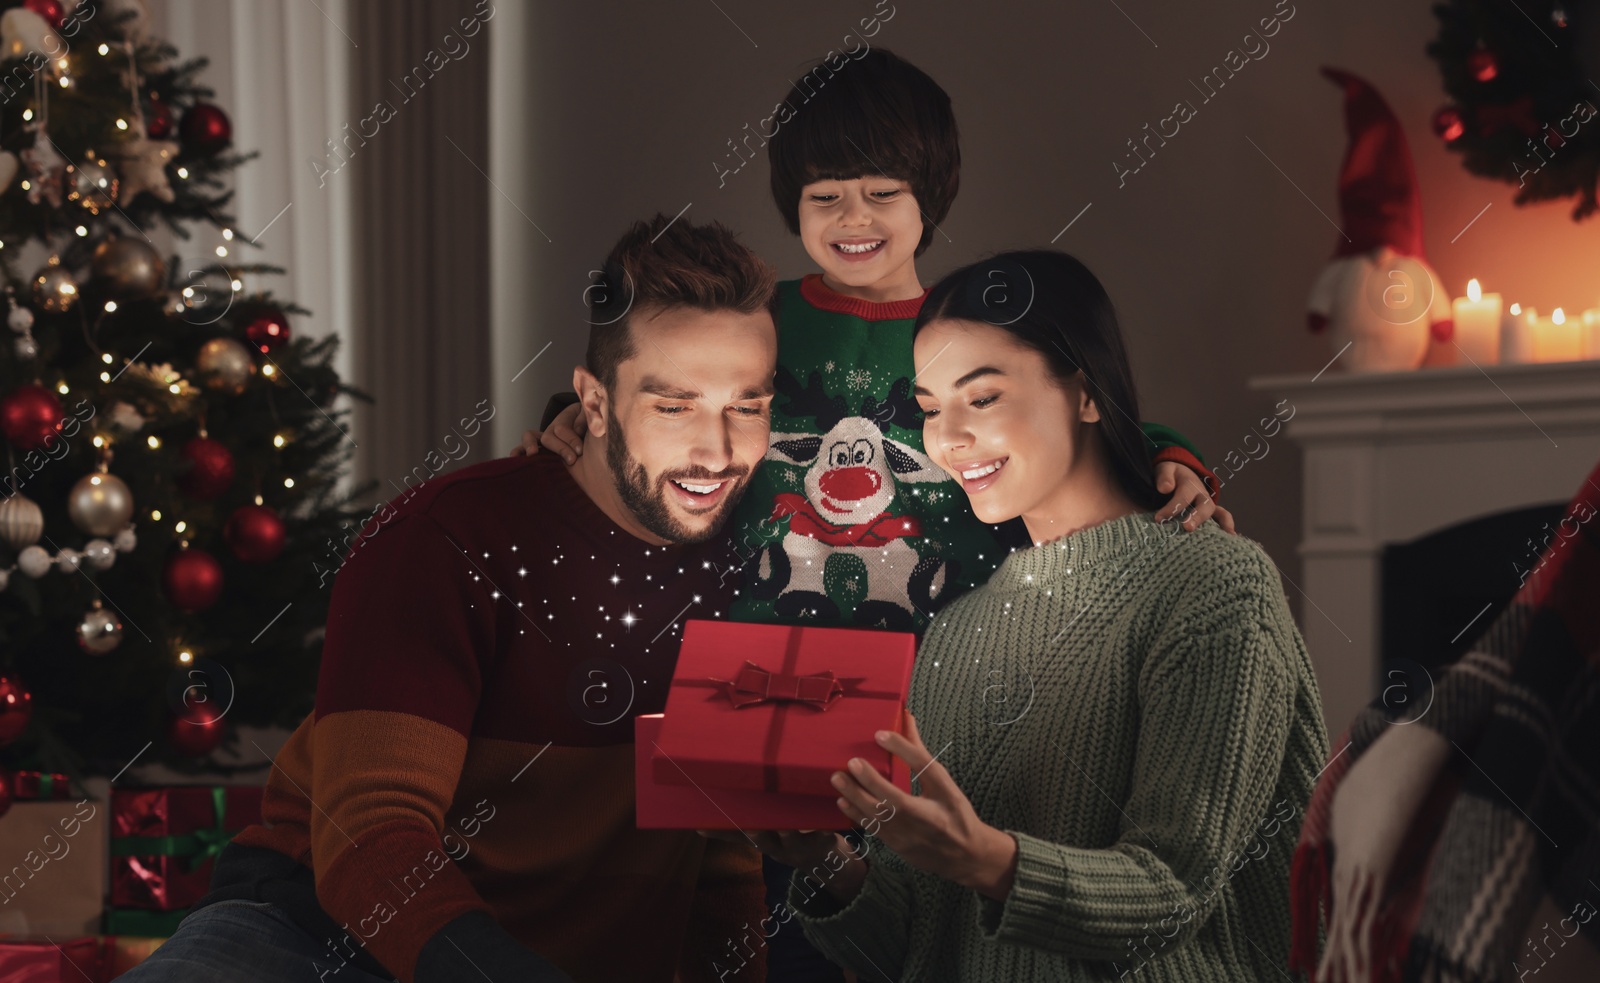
1051 303
868 115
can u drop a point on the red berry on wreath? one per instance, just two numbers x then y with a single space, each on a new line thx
210 468
1447 124
1483 64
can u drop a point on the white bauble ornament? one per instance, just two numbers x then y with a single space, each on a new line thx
99 631
125 540
67 561
25 347
34 561
100 504
21 521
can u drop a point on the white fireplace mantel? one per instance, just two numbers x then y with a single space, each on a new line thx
1390 457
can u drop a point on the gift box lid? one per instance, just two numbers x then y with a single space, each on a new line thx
780 708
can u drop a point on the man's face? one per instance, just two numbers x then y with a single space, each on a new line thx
686 423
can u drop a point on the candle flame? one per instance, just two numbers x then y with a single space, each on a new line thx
1559 317
1516 308
1474 292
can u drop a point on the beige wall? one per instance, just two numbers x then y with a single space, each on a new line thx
1209 251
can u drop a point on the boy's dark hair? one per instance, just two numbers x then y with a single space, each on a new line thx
669 263
1053 304
876 116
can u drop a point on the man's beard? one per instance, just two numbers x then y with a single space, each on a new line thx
649 504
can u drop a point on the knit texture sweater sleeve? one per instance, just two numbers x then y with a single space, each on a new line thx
885 909
1215 709
399 687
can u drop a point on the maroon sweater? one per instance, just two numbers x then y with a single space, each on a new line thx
490 640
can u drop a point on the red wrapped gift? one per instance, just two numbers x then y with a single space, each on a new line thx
775 708
30 785
26 960
661 806
164 841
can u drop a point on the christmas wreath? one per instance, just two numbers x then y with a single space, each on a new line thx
1521 77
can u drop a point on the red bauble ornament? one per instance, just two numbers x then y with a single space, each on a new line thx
51 10
197 733
267 330
205 129
16 708
192 579
254 533
211 468
1483 64
31 416
1447 124
158 121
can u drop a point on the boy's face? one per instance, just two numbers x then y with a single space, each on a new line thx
863 233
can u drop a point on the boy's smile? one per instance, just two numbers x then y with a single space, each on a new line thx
863 232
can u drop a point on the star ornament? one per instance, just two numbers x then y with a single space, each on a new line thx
142 165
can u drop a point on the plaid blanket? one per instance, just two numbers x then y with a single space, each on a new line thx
1516 812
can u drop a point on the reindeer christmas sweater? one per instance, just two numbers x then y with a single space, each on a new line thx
848 522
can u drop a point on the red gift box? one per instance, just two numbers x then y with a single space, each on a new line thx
25 960
661 806
779 709
164 841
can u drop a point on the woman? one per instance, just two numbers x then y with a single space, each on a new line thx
1124 718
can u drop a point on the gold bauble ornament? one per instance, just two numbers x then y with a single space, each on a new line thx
128 268
225 365
54 289
94 185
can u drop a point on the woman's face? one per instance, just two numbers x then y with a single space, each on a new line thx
996 418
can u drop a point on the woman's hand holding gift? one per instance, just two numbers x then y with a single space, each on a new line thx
938 830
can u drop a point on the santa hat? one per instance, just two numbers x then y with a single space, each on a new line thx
1378 200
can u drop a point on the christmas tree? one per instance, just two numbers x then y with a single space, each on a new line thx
172 513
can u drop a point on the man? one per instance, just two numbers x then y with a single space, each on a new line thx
460 803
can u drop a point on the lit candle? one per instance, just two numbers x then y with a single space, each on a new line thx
1591 333
1477 317
1557 339
1516 335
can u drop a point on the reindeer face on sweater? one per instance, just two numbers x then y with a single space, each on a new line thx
855 465
853 468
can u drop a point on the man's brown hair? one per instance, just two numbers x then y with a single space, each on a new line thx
665 262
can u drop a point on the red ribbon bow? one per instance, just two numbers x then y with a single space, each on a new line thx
756 685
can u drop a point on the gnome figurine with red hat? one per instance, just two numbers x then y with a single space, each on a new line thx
1378 296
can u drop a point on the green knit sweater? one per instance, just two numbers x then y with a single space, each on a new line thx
1135 705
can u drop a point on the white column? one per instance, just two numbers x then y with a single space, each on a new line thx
519 388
